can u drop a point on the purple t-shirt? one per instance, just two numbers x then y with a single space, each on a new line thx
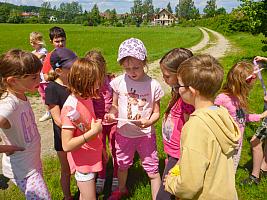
231 103
172 127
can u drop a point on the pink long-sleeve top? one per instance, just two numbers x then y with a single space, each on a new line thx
231 103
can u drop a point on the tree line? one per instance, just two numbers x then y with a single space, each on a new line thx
250 16
142 12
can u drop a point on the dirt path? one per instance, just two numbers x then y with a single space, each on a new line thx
45 128
217 49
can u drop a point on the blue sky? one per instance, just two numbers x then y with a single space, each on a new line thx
123 6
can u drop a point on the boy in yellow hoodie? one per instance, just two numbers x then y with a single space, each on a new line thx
209 138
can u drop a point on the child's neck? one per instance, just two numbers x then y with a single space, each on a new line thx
203 102
38 48
19 95
61 82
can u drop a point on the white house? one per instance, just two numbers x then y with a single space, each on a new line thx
164 18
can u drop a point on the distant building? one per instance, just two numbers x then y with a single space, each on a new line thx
29 14
164 18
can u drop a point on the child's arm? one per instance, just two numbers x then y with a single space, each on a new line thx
70 143
4 123
55 112
256 117
109 117
153 118
8 149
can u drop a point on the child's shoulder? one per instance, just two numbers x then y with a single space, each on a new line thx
43 50
223 95
71 101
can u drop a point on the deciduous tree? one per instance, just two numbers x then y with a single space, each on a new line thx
210 8
186 10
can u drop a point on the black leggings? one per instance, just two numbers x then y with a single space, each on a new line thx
162 194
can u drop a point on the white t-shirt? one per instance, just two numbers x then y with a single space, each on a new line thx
41 51
23 133
135 101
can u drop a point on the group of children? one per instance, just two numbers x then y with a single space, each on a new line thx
202 137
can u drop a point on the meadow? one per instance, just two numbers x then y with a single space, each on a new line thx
81 39
245 46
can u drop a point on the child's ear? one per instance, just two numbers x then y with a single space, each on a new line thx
58 71
193 91
11 80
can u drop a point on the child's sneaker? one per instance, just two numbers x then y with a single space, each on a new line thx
100 183
45 117
117 194
115 184
251 180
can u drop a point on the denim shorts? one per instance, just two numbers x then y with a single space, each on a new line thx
261 132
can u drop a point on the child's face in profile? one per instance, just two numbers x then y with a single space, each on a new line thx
169 77
184 92
35 45
59 42
134 68
27 83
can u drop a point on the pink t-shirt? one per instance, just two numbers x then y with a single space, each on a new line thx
136 100
88 158
231 103
172 127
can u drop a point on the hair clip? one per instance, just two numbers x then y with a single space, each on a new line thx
253 75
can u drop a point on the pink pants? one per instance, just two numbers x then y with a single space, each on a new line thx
109 131
33 187
145 146
41 90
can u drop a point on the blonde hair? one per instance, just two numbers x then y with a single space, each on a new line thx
236 84
85 78
37 38
203 73
96 56
17 63
52 75
171 62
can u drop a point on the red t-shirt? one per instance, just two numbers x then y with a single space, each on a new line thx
46 65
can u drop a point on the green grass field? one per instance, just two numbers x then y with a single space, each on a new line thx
80 39
248 47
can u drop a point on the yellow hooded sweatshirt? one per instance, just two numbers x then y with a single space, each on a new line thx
205 169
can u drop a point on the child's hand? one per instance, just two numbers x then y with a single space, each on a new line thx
96 126
10 149
142 123
264 114
265 98
260 58
109 117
